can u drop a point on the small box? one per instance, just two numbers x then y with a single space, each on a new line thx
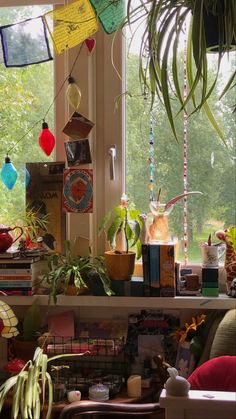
210 284
121 288
136 286
209 274
210 292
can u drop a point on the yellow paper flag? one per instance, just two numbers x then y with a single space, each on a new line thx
70 25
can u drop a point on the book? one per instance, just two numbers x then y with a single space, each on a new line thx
154 269
12 278
10 253
12 271
17 292
146 265
16 284
167 270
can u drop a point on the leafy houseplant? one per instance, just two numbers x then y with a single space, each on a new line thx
122 219
67 270
30 387
163 23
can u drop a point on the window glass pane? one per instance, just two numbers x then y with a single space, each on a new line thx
25 95
211 165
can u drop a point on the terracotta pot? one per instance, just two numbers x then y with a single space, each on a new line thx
120 265
72 290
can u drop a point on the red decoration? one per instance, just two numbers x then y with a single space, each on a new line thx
14 366
90 43
46 139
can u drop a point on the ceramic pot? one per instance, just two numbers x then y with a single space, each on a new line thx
119 265
6 240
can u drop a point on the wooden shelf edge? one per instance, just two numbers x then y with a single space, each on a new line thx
221 302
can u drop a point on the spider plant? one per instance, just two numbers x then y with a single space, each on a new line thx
163 24
30 386
66 269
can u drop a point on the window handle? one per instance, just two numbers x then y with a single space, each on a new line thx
112 154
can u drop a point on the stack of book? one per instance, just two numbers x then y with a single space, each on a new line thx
20 276
159 270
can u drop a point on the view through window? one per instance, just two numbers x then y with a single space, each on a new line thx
25 95
211 163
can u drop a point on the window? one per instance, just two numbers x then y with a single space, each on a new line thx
25 95
211 164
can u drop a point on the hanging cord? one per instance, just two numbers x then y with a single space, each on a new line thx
151 159
185 157
49 108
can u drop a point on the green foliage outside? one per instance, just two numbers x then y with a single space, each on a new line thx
211 163
25 95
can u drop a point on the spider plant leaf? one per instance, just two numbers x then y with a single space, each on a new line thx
17 394
165 90
5 387
50 395
228 84
213 122
197 31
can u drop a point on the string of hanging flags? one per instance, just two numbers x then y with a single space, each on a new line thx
27 42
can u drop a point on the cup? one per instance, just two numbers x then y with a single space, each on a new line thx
134 386
210 256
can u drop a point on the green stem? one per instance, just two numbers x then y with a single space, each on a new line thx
126 222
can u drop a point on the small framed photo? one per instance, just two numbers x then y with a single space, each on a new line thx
78 152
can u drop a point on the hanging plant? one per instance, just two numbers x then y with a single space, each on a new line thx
163 23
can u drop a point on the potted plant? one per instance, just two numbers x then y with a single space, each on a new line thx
69 274
163 23
122 219
32 387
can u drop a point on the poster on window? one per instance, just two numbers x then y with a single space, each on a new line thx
78 190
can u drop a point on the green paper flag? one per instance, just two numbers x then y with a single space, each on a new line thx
110 13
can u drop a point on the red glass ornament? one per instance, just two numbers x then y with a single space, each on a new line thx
90 43
46 139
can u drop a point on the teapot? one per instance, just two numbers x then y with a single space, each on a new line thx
6 240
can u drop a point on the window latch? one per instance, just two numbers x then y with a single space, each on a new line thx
112 154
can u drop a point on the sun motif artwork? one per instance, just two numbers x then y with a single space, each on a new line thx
78 190
70 25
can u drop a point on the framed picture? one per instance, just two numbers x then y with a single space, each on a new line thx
78 190
78 152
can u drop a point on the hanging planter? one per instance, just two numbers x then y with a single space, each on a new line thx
163 23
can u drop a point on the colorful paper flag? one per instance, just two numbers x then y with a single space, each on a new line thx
110 13
72 24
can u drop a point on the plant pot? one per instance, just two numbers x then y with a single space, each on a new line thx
211 27
23 349
72 290
120 266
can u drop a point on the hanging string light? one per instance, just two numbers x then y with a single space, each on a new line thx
73 93
46 139
8 173
185 158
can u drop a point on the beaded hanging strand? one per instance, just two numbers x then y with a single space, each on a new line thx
185 157
151 159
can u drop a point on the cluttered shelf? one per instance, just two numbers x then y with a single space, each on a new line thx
179 302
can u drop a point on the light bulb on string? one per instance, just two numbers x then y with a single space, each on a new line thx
73 93
8 173
46 139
